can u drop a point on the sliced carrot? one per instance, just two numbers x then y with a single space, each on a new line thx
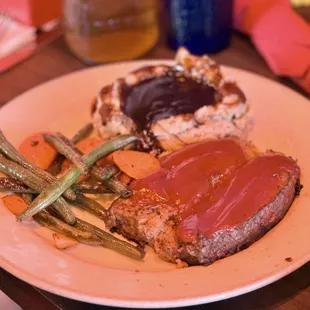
136 164
14 204
124 178
36 150
62 242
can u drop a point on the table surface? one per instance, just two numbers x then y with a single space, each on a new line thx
54 60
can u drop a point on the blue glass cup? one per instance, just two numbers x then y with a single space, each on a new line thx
202 26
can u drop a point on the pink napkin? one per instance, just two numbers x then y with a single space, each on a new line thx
280 35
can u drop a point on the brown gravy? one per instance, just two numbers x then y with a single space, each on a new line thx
167 95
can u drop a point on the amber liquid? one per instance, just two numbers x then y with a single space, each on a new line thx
127 34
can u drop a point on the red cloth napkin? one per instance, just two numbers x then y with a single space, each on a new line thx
280 35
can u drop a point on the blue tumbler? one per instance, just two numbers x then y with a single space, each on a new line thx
202 26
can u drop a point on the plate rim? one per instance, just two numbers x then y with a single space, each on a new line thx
58 290
185 302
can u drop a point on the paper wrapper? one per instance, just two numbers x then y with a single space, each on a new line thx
32 12
279 34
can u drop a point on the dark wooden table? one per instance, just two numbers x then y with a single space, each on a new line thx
54 60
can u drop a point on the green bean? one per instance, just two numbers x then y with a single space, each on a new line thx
118 187
53 223
88 188
83 133
22 174
90 205
66 150
49 195
55 168
92 241
111 242
101 174
33 181
50 221
104 173
64 210
69 143
26 197
87 233
9 150
13 185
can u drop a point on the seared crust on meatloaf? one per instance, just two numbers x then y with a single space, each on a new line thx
156 224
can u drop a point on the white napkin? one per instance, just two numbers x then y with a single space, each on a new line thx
14 35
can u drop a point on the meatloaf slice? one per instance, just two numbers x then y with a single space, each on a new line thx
158 223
